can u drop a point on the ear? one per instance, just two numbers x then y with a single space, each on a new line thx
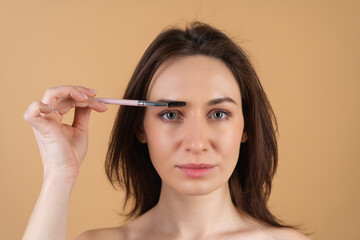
244 137
140 135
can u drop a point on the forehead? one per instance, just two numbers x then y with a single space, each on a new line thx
191 78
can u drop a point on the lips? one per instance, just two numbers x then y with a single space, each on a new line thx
196 170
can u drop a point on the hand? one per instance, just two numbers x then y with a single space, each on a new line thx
62 147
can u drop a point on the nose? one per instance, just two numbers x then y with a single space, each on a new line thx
196 136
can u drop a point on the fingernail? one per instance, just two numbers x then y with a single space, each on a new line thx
50 107
92 90
84 95
105 105
53 109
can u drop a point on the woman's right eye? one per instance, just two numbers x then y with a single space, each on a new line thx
168 116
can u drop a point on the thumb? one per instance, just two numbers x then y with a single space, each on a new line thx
38 115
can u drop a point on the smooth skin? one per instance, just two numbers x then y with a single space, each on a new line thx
62 149
208 130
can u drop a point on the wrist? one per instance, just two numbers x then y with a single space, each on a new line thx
59 180
63 173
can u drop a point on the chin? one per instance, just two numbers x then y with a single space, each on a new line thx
196 187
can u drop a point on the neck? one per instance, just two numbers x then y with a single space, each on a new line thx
196 216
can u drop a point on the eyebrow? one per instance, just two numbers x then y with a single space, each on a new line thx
221 100
210 103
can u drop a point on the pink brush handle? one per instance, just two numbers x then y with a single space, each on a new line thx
119 101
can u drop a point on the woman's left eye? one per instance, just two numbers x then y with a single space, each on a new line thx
219 115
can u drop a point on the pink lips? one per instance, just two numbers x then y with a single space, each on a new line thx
196 170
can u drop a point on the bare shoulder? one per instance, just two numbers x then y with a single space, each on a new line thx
133 229
116 233
286 233
255 230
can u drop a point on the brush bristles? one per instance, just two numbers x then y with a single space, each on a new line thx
176 104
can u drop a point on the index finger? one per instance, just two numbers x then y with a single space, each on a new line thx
79 94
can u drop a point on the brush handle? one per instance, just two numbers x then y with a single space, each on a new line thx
127 102
130 102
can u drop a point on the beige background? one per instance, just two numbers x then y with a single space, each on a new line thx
306 52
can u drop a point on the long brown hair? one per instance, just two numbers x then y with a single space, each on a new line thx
128 163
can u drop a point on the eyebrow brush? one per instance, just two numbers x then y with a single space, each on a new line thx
141 103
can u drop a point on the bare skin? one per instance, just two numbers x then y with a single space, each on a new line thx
253 232
62 148
203 132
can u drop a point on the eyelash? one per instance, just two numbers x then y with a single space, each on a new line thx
162 115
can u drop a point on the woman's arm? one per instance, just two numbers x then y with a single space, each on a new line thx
49 217
62 148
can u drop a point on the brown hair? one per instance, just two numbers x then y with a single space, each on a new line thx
128 163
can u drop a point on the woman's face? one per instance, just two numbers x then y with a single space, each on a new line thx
195 148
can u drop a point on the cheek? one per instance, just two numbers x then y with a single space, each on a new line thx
228 136
158 144
227 142
161 141
232 141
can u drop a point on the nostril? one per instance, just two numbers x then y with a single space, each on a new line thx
196 150
198 147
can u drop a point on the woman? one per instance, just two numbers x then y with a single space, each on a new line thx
202 171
